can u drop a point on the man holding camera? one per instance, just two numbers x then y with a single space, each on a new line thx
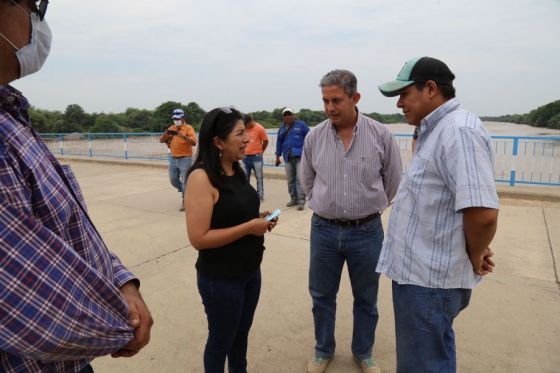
180 138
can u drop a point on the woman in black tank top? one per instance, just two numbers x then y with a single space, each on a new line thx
225 226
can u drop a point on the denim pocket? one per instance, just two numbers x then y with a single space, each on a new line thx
317 221
372 225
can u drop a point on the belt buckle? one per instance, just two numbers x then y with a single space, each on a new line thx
345 222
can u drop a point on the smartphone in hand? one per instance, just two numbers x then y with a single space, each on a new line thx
171 132
274 215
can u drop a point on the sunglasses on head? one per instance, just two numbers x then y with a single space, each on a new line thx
228 110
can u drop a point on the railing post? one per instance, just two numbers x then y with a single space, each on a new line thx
514 156
61 144
125 147
89 145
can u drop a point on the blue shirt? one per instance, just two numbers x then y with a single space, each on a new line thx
452 169
60 303
292 144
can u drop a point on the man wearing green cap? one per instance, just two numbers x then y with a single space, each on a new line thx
443 219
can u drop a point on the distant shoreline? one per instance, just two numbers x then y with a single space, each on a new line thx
495 129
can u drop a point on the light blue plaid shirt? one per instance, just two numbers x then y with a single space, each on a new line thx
452 169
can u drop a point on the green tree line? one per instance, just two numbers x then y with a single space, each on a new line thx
76 119
544 116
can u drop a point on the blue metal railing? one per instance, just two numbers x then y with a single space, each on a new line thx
527 160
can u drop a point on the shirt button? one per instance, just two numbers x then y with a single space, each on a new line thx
344 175
344 193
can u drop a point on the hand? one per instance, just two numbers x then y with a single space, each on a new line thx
259 226
273 222
277 162
483 264
139 318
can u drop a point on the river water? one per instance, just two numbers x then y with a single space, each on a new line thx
495 128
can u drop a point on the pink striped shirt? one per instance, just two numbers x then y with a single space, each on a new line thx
353 183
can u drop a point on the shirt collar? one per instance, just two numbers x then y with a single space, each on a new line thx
12 98
13 102
359 121
435 116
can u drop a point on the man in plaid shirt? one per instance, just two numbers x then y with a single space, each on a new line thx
64 298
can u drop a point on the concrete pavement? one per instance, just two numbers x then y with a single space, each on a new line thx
511 325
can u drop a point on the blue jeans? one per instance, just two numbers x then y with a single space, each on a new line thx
292 176
178 168
424 327
229 306
255 162
331 246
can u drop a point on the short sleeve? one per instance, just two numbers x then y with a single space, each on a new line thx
468 166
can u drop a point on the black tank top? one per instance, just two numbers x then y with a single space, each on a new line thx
238 203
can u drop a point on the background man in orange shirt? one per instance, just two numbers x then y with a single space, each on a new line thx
258 141
180 138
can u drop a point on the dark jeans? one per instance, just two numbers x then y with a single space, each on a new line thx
424 327
292 177
230 306
359 247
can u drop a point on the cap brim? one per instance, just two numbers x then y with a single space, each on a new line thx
391 89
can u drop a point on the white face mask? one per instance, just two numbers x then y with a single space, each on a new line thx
178 122
32 57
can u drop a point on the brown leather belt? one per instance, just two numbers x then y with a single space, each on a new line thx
351 222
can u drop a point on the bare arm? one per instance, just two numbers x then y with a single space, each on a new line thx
264 145
199 203
480 225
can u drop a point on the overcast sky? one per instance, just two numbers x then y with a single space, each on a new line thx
108 55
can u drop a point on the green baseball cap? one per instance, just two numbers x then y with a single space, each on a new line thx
419 69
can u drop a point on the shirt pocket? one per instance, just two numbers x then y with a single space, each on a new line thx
368 169
415 173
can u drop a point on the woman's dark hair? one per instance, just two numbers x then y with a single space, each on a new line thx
219 123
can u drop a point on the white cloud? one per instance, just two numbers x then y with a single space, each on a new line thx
258 55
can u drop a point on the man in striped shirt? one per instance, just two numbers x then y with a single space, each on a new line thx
443 219
350 171
64 298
